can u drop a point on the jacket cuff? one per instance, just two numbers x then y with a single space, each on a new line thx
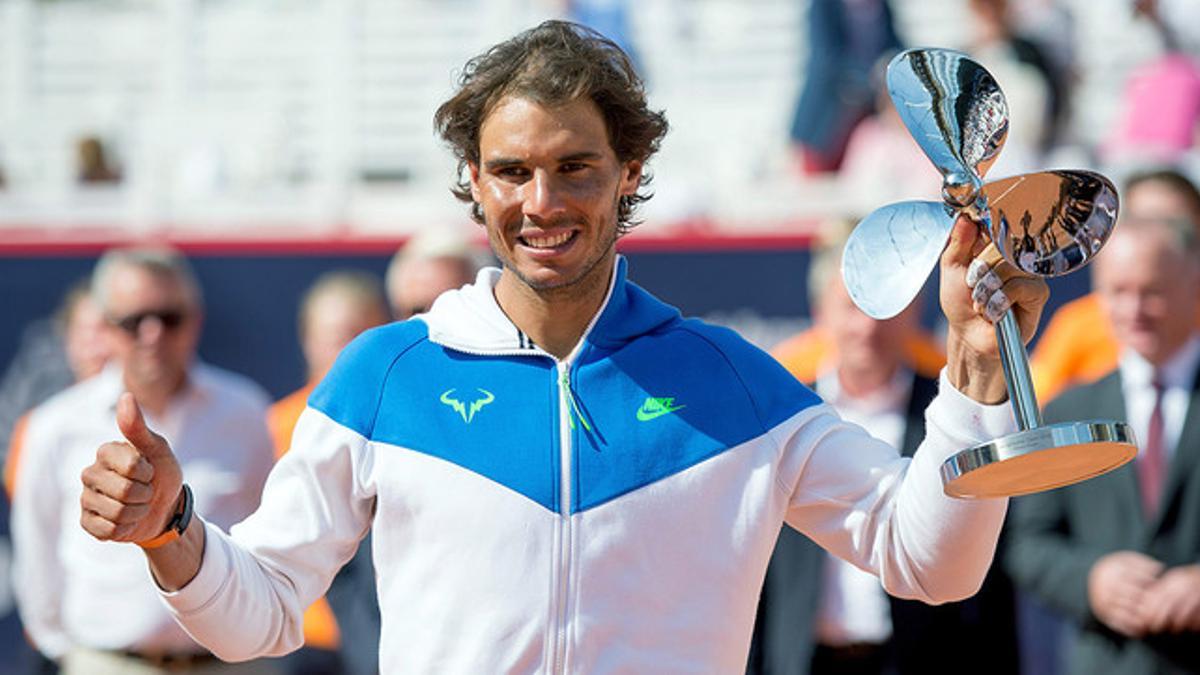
965 420
214 571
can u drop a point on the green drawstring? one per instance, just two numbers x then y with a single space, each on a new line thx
566 384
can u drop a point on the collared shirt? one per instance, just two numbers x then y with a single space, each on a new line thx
854 607
1137 386
75 590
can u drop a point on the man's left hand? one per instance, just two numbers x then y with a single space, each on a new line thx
1172 603
977 288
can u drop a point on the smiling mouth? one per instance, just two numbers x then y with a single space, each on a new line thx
547 242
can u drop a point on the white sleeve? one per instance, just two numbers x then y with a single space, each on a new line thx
36 530
858 498
248 598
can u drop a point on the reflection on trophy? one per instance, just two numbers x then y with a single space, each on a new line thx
1045 224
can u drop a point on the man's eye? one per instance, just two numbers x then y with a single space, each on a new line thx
573 167
512 172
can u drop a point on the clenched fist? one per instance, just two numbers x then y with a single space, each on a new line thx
131 491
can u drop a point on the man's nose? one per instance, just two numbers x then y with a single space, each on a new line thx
150 331
542 196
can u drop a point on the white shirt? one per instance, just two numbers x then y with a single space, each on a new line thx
854 607
1177 375
74 590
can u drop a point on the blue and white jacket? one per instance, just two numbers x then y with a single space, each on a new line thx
610 512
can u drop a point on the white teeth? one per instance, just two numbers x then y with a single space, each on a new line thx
547 242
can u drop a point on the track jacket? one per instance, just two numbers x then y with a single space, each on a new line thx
610 512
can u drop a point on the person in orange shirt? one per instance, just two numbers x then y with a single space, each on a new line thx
1078 345
808 354
335 309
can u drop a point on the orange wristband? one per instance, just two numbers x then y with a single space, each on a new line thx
178 523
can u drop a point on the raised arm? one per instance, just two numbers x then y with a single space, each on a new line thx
241 594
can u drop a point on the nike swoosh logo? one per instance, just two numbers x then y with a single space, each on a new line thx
654 408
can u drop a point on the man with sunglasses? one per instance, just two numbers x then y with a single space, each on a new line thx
68 584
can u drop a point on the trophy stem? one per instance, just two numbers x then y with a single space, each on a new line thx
1016 373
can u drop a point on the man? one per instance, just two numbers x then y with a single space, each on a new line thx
1078 345
819 614
1118 555
560 473
431 263
337 308
91 604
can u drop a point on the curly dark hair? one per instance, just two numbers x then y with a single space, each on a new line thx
554 63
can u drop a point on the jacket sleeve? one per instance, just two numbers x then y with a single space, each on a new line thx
857 497
36 529
254 583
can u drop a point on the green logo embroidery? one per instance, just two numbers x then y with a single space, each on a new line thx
657 407
467 412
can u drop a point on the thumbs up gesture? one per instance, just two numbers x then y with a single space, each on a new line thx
131 491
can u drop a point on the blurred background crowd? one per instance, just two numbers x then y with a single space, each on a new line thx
286 148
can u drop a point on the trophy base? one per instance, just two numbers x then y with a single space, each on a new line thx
1038 459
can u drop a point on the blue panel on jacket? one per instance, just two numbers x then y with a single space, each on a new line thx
494 416
669 401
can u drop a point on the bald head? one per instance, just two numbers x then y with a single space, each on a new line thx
1148 276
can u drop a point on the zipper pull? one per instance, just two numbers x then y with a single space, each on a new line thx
565 383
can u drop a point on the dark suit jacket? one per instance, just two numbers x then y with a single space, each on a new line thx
1056 537
977 635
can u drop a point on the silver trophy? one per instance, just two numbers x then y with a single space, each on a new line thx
1046 224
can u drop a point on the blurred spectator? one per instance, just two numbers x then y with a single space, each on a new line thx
1078 345
92 605
1117 555
432 262
53 354
883 163
1161 107
1033 90
845 39
95 167
812 353
608 17
337 307
820 614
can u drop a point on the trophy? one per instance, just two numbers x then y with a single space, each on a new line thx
1045 224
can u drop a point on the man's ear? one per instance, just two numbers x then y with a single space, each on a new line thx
473 172
631 177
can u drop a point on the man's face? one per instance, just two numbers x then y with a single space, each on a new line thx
333 320
86 346
153 326
863 342
421 281
549 185
1150 290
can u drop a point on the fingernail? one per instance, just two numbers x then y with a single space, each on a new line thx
976 271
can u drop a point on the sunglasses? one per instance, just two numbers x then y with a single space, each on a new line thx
132 324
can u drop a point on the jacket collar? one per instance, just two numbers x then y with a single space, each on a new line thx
470 320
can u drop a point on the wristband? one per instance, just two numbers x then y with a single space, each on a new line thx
176 525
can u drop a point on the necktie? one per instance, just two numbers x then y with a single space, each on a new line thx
1152 464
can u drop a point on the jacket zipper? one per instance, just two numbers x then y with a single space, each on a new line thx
565 424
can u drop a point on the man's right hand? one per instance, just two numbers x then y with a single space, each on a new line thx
1116 586
130 492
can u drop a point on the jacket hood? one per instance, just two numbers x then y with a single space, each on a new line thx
470 320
